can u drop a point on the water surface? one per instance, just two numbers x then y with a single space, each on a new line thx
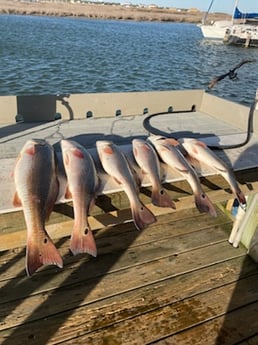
49 55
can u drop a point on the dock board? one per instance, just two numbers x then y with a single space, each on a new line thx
176 281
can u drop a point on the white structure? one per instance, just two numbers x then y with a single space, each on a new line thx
239 21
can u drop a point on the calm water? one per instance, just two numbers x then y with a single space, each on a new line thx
42 55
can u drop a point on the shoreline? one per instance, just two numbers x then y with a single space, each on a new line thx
101 11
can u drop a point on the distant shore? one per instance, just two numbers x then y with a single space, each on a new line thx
100 11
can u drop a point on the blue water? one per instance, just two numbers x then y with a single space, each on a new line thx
49 55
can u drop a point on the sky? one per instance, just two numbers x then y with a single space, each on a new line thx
225 6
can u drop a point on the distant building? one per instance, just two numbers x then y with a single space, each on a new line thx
193 10
153 6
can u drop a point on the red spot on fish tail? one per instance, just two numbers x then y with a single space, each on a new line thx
108 150
31 150
78 153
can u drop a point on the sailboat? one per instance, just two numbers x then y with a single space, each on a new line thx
240 22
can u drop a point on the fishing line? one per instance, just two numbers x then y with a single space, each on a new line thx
155 131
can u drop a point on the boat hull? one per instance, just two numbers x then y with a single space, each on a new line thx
216 30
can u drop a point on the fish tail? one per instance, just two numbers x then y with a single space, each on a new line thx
241 198
160 198
44 253
236 189
142 216
83 242
204 204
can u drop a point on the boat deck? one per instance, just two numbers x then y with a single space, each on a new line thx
177 282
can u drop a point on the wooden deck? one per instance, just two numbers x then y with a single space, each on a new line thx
177 282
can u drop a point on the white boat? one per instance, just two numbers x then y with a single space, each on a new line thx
240 23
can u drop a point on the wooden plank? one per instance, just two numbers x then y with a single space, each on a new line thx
238 327
128 235
107 238
146 265
112 211
181 315
176 294
250 341
118 279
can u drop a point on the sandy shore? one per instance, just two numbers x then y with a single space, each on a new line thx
98 11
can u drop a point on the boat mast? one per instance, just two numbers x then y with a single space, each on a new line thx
236 6
206 14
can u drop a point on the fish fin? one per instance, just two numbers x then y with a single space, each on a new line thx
172 141
92 204
68 194
117 181
142 216
16 200
83 242
204 204
51 201
41 254
194 162
160 198
202 144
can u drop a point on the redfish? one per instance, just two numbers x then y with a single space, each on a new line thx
36 191
115 164
147 159
199 151
175 159
82 186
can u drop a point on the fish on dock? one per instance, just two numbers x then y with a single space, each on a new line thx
199 151
147 159
36 191
115 164
82 184
173 157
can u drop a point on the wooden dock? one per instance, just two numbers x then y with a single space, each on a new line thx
177 282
